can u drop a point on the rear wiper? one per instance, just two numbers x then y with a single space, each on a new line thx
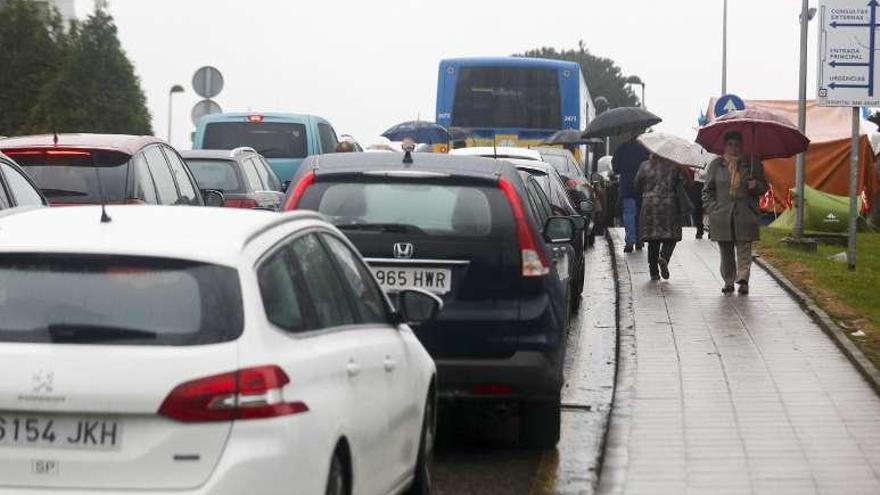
51 193
400 228
76 332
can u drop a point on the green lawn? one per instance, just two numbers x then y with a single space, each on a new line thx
851 298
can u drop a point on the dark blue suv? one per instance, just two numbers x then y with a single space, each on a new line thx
464 229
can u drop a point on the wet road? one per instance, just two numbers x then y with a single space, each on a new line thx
481 456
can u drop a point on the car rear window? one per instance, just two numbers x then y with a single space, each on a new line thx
74 299
72 176
216 174
435 209
270 139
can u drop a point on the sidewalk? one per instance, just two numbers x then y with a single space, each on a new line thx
727 395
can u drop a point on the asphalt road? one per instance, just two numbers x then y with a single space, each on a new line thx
478 451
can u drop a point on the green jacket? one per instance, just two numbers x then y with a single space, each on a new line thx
733 217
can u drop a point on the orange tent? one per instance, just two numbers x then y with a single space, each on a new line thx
827 159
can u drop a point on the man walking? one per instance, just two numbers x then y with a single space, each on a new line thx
627 159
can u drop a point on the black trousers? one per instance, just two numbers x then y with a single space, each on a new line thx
656 249
695 192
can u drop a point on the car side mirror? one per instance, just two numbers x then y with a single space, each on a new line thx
580 223
213 197
285 185
417 306
586 207
559 230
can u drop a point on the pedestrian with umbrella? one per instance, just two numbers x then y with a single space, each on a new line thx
419 131
629 156
735 181
660 182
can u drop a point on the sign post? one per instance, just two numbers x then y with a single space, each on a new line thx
848 77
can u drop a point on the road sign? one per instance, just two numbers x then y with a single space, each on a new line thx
202 108
207 82
727 104
848 66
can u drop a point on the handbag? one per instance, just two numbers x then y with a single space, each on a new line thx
685 206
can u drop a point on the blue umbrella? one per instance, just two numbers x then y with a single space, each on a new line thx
419 131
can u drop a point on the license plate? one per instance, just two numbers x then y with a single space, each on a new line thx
64 432
394 279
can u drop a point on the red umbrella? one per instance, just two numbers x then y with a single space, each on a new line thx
765 134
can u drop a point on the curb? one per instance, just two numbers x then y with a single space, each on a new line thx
855 355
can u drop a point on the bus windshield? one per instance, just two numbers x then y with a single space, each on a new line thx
507 97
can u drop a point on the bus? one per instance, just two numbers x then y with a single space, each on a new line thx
512 101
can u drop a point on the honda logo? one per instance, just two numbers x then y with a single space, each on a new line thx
403 250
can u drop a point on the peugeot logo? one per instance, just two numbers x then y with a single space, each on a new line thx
44 381
403 250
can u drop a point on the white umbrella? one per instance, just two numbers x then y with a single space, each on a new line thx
674 149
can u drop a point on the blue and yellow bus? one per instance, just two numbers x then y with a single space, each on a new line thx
512 101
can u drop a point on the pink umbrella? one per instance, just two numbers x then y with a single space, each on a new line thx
765 134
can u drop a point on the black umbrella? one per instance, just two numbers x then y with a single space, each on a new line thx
419 131
621 120
567 137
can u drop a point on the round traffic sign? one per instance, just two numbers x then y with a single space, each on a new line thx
727 104
207 82
203 108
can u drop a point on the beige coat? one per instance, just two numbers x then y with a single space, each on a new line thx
733 217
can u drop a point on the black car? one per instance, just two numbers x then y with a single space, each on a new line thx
16 188
242 175
78 169
463 228
557 204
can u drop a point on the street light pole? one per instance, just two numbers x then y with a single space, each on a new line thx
800 165
174 89
724 54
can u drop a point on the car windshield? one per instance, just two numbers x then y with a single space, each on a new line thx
117 300
73 176
270 139
216 174
563 164
507 97
406 207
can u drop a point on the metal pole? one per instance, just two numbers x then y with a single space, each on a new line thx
170 99
800 167
643 96
853 189
724 54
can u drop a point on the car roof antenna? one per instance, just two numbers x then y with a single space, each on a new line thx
495 146
55 138
105 218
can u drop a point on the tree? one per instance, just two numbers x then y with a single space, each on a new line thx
32 39
95 88
603 77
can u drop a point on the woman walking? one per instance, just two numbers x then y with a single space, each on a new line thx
734 182
660 218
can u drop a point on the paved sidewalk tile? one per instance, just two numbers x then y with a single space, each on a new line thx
736 394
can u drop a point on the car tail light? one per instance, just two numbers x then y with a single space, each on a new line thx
491 389
251 393
51 152
255 119
534 262
299 191
241 203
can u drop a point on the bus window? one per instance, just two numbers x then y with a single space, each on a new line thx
507 97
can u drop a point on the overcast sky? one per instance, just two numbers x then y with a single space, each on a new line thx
367 64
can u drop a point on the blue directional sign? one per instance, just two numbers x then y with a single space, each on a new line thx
848 68
727 104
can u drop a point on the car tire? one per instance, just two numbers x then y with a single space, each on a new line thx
422 480
337 483
540 424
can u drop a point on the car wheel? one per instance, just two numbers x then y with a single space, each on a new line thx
539 424
336 482
422 479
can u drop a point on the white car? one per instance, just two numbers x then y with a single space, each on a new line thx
499 152
205 351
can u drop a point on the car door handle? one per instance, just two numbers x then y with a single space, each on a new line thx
390 364
353 369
